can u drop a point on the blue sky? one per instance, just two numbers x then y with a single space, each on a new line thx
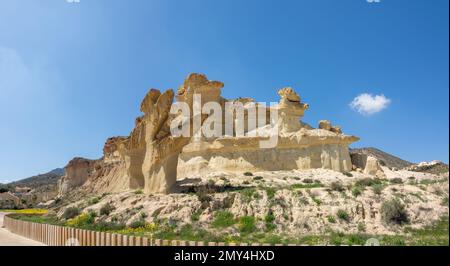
73 74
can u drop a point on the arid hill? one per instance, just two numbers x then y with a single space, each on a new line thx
50 178
387 159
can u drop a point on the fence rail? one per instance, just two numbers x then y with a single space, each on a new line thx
54 235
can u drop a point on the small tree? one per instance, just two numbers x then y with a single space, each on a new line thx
337 186
71 212
343 215
106 209
393 211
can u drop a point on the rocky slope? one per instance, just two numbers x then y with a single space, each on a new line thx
433 167
50 178
308 184
283 203
387 159
36 189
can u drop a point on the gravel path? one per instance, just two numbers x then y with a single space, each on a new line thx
9 239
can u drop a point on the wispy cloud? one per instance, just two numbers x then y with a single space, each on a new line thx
368 104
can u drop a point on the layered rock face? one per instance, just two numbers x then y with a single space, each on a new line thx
107 174
299 146
163 149
76 174
9 201
368 164
151 158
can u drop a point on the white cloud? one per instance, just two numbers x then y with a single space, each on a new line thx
367 104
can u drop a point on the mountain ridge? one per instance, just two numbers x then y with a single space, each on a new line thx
48 178
385 158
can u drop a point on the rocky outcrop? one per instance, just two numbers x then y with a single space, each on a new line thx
326 125
113 149
384 158
151 158
9 201
163 149
296 211
433 167
368 164
77 172
107 174
298 146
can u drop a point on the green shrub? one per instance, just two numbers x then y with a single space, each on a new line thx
337 186
143 215
247 224
269 219
308 181
248 173
70 213
138 192
331 219
303 200
82 220
196 215
114 219
427 181
361 227
377 189
356 191
270 191
393 211
248 193
444 201
203 196
3 188
106 209
92 213
348 174
94 200
307 185
343 215
137 224
223 219
108 226
228 201
356 239
257 178
367 182
316 200
396 180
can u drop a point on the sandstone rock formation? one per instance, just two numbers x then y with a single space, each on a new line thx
384 158
9 201
325 124
76 174
162 149
107 174
298 146
152 159
368 164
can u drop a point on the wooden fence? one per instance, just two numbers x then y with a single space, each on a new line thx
54 235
